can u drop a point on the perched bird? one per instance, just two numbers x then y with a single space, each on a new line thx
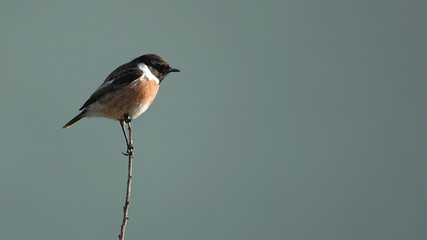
128 91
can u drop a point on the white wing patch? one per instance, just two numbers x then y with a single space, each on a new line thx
111 81
147 73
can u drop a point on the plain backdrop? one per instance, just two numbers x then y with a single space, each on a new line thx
290 120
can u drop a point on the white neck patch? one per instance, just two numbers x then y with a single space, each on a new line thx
147 73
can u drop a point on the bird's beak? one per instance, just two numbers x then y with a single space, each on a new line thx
174 70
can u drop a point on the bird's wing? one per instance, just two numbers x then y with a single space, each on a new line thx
119 78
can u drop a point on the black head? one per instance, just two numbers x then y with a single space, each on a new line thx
157 65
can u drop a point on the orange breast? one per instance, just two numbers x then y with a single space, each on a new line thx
133 99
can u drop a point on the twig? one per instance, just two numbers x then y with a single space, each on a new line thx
130 150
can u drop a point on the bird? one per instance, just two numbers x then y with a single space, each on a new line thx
128 91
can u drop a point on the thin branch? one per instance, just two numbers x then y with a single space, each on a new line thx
130 150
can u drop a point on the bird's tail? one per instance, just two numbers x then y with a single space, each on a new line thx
75 119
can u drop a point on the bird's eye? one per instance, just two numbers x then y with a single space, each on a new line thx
159 66
155 64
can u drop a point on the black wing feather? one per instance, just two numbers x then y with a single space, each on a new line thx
119 78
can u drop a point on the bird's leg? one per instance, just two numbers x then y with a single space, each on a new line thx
122 123
130 145
128 138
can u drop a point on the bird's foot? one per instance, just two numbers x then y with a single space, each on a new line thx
129 151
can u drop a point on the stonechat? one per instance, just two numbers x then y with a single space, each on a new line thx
128 91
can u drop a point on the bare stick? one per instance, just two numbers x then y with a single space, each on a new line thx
129 153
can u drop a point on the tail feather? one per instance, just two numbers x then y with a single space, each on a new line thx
75 119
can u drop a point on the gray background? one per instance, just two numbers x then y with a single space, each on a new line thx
289 120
